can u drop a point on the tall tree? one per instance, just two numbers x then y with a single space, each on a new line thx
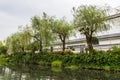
18 41
89 20
3 48
1 44
25 38
13 43
62 29
41 30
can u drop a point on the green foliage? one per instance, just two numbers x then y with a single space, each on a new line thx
106 67
97 60
115 50
62 30
56 63
88 20
34 46
19 41
3 59
1 44
3 50
95 40
42 30
62 52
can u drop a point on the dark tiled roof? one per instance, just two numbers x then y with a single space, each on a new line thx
99 37
114 16
109 36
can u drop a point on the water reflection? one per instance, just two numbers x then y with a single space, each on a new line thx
31 72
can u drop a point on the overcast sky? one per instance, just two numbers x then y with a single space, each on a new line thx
18 12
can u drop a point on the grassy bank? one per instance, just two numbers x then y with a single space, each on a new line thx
99 60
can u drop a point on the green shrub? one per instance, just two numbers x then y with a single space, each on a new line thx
115 50
106 68
68 52
62 52
57 63
3 50
59 58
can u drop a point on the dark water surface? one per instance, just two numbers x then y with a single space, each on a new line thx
30 72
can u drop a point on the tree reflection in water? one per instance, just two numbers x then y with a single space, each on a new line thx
32 72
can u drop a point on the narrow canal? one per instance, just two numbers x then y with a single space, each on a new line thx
31 72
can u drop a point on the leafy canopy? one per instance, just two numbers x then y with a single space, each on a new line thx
90 19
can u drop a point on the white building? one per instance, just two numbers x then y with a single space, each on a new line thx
106 41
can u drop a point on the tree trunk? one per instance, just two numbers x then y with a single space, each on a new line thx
23 50
62 38
89 43
51 49
40 49
63 43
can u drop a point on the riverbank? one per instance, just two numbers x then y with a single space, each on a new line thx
99 60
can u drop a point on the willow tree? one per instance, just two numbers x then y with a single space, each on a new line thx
25 37
41 30
13 43
3 48
89 20
1 44
62 29
19 41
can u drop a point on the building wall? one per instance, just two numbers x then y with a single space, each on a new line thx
104 44
110 41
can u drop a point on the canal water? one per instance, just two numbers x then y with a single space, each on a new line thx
32 72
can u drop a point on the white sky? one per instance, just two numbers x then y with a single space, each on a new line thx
18 12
